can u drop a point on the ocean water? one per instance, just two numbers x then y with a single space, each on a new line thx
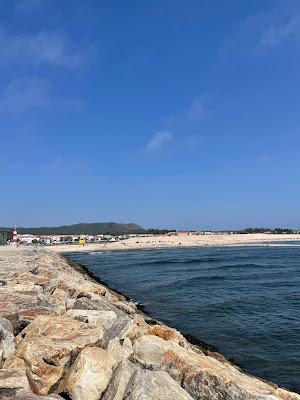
243 300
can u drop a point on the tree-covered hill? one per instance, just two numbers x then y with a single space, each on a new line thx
96 228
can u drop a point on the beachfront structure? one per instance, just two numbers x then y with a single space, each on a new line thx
15 235
27 238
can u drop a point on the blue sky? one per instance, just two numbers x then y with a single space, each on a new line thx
178 114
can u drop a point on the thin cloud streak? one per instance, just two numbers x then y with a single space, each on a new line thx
158 142
42 48
276 34
23 95
263 30
35 94
193 114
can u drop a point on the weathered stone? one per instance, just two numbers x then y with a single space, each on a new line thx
6 325
167 333
13 382
118 383
7 339
120 349
149 385
285 395
89 376
100 304
104 319
31 313
49 344
126 307
203 377
32 396
118 330
60 299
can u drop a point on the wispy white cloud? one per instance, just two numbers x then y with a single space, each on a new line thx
280 31
263 30
35 94
24 95
192 114
158 142
42 48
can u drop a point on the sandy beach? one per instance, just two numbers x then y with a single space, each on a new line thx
163 241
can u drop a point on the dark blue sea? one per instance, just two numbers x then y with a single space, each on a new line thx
243 300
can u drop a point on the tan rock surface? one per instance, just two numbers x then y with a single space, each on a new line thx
118 384
13 382
48 345
202 376
150 385
89 376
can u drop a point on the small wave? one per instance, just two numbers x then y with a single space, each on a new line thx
182 261
93 253
240 266
283 245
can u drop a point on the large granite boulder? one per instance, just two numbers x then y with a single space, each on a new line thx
13 382
158 385
120 329
120 349
89 376
201 376
48 347
104 319
126 306
100 304
7 339
118 384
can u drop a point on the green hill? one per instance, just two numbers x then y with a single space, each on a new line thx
111 228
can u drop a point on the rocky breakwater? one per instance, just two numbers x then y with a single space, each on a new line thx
65 336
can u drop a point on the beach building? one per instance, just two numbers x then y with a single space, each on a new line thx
27 238
183 233
45 240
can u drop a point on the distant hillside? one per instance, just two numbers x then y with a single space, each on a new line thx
97 228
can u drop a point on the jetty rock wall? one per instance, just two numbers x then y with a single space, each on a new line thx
65 336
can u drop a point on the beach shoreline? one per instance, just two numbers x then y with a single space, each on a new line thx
188 241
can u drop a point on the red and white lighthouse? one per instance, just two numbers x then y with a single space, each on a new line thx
15 235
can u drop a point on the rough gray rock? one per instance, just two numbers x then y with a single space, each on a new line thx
117 386
31 396
203 377
118 330
13 382
7 339
158 385
120 349
6 325
126 306
104 319
48 347
84 303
